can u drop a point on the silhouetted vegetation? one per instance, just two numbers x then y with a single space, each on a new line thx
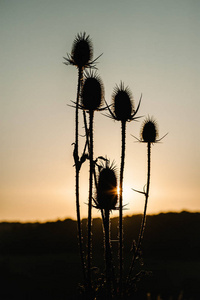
41 261
90 97
167 236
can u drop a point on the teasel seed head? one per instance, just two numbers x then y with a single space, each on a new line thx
92 92
149 131
107 188
123 106
82 51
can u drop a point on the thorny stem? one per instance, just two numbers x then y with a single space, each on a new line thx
145 211
123 129
110 272
76 158
90 201
86 132
107 253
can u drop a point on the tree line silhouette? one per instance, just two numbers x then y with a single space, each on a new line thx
167 236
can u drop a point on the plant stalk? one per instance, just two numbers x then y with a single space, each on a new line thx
91 115
108 258
123 131
77 166
142 228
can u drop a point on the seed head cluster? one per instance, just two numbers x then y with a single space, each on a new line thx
82 51
123 105
107 188
92 92
149 131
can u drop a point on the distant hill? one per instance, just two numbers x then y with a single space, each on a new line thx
167 236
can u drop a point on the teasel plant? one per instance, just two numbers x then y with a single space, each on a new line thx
148 135
92 96
122 109
82 58
106 200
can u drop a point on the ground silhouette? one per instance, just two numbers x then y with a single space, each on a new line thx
41 260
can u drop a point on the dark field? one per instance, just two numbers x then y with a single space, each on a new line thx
41 261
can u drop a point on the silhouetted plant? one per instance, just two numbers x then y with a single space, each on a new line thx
106 200
81 56
90 95
149 135
91 99
122 110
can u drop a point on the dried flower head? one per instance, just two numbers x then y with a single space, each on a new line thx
92 92
82 51
123 106
149 131
107 188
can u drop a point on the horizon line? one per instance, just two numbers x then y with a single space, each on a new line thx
68 218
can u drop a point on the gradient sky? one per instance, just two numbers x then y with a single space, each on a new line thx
153 46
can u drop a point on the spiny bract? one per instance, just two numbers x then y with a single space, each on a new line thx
122 103
82 51
149 131
107 188
92 92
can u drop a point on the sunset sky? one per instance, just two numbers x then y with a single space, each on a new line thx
153 46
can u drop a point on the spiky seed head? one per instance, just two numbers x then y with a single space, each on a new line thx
123 105
149 131
107 188
92 92
82 50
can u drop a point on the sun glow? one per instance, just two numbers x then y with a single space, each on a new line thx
127 192
118 190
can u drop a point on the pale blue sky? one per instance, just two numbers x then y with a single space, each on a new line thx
152 46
